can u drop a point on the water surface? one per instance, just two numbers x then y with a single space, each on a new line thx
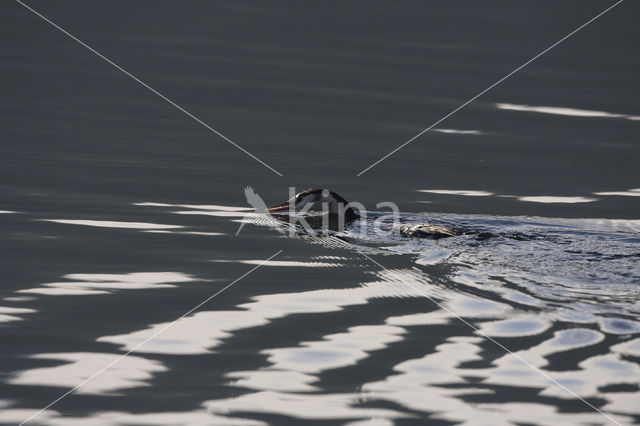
119 213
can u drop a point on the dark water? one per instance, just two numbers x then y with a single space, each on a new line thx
119 214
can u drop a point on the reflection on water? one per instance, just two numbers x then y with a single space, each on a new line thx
525 325
545 199
438 383
312 264
212 207
132 371
458 132
8 313
334 350
156 228
84 284
588 275
116 418
371 349
202 209
295 369
113 224
555 199
571 112
206 234
302 406
118 214
635 192
467 193
203 331
194 334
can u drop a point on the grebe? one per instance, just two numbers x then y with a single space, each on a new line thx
340 213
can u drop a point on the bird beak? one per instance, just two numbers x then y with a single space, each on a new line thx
284 207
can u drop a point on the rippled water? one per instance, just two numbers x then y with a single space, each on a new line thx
120 215
379 331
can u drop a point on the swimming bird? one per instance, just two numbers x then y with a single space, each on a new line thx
317 200
339 213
